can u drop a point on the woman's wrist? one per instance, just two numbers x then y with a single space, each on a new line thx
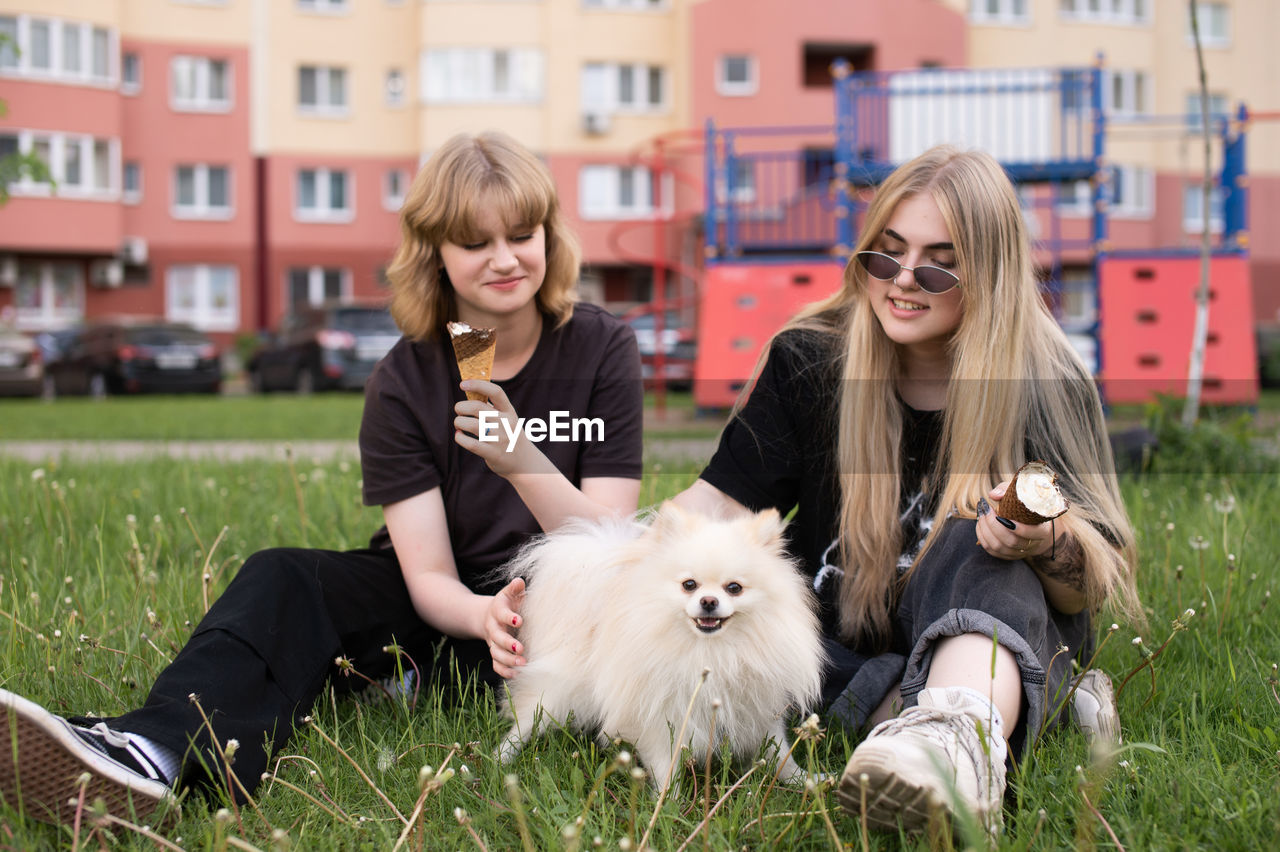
1064 563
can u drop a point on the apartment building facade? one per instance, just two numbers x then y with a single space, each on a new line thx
219 161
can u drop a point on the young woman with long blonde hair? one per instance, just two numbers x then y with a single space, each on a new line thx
891 417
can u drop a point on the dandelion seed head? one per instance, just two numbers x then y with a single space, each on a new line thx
37 474
57 634
1114 627
624 758
1226 505
131 520
68 580
344 467
1168 527
67 600
637 774
1137 640
386 759
157 520
625 844
460 815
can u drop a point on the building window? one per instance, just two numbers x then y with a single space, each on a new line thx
394 186
50 48
315 285
1214 23
736 75
481 75
328 6
394 87
1193 209
999 12
49 295
1132 191
204 295
130 73
202 192
1107 11
323 195
1219 110
322 90
610 87
1126 92
131 189
619 192
820 56
1078 308
80 166
200 84
744 184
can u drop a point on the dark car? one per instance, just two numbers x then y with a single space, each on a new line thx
136 356
679 349
321 348
21 364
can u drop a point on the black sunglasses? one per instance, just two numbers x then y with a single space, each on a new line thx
932 279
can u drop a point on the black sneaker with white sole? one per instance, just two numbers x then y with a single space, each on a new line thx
46 759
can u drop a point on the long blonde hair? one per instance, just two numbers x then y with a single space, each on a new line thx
1018 390
465 174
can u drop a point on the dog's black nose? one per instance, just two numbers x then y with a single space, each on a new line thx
709 604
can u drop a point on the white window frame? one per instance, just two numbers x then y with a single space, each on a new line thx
395 87
202 208
627 5
324 213
1215 24
1137 189
744 184
326 89
204 315
1219 105
1136 95
128 86
83 72
47 316
600 84
461 75
737 88
1079 202
127 195
1123 12
1193 209
202 100
601 187
58 145
395 186
324 7
315 285
1004 12
1079 293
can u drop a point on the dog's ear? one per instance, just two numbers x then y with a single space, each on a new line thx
767 527
672 520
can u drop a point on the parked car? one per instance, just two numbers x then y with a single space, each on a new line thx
21 364
679 348
333 346
135 356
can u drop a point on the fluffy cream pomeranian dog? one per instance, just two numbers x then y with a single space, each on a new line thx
622 619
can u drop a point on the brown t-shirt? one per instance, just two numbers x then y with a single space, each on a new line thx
587 370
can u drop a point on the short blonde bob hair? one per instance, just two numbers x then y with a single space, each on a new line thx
467 173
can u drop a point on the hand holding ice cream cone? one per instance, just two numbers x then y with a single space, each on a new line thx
474 348
1021 525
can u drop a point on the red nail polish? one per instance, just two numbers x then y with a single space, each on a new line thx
513 648
515 622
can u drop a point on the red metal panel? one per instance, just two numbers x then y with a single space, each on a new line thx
742 305
1147 318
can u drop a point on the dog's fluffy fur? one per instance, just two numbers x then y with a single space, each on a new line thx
621 620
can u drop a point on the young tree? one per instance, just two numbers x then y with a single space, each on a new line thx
1200 335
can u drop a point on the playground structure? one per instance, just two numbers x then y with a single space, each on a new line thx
783 205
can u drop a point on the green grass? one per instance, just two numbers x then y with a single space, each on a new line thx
273 417
101 580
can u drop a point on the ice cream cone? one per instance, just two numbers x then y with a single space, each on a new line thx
1033 496
474 348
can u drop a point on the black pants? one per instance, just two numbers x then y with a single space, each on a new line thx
959 588
267 648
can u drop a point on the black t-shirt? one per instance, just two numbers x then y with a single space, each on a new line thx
587 370
781 452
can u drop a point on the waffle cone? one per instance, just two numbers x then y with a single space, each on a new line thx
474 348
1011 505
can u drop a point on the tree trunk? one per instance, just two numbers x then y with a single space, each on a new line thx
1195 375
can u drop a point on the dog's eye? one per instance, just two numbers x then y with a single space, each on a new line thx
734 588
689 585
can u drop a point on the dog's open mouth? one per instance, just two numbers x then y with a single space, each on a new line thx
709 625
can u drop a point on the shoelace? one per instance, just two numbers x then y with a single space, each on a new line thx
121 740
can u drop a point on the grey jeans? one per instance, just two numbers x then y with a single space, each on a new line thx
959 588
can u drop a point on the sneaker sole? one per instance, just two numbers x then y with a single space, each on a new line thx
41 774
890 801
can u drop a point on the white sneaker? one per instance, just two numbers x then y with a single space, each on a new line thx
946 753
1094 707
45 756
